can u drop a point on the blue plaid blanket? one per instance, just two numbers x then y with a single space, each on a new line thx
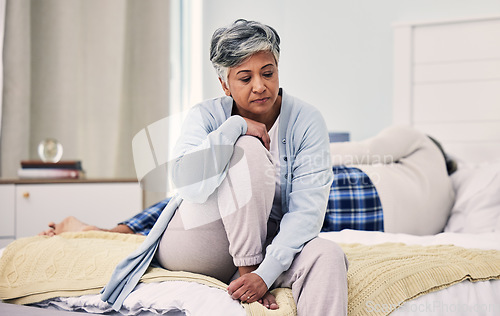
142 222
353 204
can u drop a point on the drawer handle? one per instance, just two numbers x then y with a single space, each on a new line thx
26 195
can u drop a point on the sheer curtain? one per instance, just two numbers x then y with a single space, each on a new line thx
89 73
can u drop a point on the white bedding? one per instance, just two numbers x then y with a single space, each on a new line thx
176 298
172 298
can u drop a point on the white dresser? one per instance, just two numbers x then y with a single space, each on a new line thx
27 206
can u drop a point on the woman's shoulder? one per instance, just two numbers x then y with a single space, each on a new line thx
297 109
218 103
219 108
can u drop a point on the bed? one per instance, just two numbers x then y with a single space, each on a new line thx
443 70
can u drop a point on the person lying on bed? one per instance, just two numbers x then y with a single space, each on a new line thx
406 170
253 174
396 181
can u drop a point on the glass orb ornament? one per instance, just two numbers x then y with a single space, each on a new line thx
50 150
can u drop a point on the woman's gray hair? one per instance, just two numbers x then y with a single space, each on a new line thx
233 44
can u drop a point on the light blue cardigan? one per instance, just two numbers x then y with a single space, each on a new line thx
306 176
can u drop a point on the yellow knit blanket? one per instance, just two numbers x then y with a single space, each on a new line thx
382 277
72 264
37 268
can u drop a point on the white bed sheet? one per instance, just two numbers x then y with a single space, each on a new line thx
175 298
172 298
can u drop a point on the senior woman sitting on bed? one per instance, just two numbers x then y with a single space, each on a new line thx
253 175
286 183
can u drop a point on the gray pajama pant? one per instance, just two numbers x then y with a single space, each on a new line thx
232 228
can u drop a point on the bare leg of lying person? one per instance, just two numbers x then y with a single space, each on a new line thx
72 224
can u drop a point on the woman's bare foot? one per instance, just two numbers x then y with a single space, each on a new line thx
269 301
69 224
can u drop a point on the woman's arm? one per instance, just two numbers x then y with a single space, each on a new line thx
203 151
311 179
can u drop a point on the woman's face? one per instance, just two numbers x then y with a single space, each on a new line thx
254 86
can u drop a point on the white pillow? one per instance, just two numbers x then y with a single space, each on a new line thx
477 201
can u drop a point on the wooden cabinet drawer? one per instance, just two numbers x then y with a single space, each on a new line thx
100 204
7 210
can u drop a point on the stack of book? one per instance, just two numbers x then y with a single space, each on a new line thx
35 169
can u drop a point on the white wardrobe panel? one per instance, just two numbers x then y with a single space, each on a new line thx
449 87
457 41
456 101
462 131
474 152
457 71
402 75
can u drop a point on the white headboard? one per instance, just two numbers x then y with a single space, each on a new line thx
447 83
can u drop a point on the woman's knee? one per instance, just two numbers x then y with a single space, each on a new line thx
248 140
251 147
328 253
258 161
